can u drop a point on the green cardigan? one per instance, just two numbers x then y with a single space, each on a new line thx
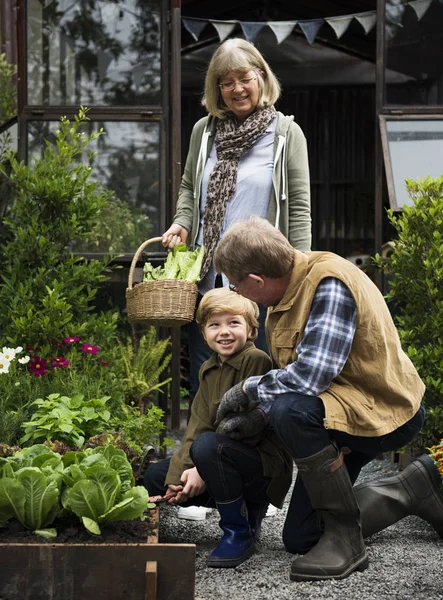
290 203
215 379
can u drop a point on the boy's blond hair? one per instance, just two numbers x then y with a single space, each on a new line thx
220 300
237 54
253 246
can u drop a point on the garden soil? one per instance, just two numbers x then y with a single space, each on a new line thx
73 532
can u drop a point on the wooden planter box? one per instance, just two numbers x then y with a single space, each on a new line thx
150 571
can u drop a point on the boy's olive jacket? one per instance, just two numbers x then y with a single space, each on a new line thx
216 378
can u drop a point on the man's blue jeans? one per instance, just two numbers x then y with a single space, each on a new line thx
228 468
298 422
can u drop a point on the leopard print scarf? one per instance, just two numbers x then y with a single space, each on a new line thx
231 143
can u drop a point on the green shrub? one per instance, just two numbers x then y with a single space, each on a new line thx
47 291
8 91
415 270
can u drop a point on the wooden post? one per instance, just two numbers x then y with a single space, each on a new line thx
151 580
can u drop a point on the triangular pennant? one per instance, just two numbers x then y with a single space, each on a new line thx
224 28
195 26
137 74
420 7
104 59
282 29
311 28
339 24
367 20
251 29
394 14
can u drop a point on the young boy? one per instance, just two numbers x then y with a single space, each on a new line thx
211 469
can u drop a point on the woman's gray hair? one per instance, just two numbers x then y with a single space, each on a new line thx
237 54
253 246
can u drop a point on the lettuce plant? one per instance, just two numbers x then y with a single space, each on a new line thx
30 487
100 488
38 485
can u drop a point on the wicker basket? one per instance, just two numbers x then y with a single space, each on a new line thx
166 302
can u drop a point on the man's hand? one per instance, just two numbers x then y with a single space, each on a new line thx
234 400
244 426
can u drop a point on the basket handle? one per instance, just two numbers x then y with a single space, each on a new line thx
137 256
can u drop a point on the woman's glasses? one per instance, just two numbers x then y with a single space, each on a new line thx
229 86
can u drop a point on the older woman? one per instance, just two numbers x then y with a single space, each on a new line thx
245 158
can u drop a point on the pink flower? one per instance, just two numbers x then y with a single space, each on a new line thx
102 363
71 340
88 349
38 366
59 362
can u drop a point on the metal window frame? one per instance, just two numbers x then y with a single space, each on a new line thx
383 119
384 110
141 114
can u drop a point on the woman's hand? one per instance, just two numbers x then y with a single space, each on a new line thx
193 485
176 234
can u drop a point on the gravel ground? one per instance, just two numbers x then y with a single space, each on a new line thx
405 560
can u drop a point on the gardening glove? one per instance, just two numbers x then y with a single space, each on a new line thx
246 427
234 400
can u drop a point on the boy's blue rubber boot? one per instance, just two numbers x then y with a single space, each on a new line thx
237 543
256 514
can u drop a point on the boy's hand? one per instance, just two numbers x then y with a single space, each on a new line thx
234 400
193 485
244 425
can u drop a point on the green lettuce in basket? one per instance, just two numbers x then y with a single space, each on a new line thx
180 264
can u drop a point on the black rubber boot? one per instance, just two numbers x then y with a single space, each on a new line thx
415 491
237 543
256 514
341 549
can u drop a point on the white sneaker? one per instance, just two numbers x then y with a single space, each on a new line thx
192 513
272 511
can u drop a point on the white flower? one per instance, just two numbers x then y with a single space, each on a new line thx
4 364
17 383
18 349
9 353
24 360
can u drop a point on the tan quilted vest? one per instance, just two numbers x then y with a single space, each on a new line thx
379 388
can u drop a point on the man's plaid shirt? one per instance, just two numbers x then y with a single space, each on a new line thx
321 353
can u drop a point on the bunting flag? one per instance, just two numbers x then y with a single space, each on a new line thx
282 29
367 20
309 27
195 26
104 59
251 29
339 24
138 71
420 7
224 28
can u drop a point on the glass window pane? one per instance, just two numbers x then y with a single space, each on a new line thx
414 46
127 161
414 150
99 52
